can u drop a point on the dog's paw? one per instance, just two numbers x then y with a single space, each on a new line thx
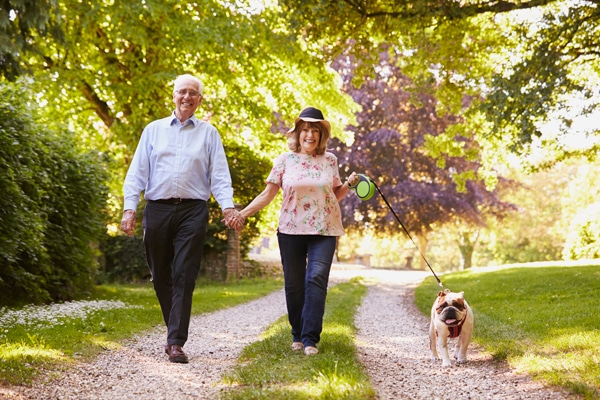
460 358
446 364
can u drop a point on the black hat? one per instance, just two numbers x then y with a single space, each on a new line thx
311 114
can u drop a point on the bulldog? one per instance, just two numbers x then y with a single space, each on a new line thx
451 317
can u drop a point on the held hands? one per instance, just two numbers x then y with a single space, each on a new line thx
233 219
128 222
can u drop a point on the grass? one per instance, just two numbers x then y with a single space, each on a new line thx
50 338
269 369
542 320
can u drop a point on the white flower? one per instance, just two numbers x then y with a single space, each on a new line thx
56 313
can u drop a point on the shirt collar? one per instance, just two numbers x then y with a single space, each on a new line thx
193 119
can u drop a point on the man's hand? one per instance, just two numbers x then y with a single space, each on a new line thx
233 219
128 222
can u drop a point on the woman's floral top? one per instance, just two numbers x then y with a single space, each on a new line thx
309 205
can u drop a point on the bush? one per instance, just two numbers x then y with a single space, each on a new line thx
123 260
583 239
54 198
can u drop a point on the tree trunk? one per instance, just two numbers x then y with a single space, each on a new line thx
233 253
467 248
422 239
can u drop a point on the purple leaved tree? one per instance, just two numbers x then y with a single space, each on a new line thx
388 147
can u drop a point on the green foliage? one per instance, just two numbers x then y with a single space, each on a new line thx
516 239
117 74
123 259
581 211
270 369
55 196
583 238
20 20
542 320
24 258
555 199
74 208
549 75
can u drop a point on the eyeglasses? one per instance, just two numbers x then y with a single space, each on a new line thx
191 93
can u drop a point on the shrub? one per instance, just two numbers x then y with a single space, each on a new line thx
123 259
583 239
54 196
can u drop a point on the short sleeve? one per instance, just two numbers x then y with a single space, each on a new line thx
276 174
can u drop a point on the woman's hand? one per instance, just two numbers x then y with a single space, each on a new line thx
352 180
343 190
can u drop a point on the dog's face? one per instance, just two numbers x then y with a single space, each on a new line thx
450 308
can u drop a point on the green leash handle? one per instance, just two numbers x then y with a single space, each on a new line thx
365 188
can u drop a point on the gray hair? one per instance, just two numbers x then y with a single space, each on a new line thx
187 77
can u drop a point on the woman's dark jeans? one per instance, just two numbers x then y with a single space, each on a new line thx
306 263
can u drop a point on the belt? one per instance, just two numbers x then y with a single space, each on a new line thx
173 200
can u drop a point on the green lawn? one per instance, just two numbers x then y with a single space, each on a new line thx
542 320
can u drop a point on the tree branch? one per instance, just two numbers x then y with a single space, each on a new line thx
447 9
100 107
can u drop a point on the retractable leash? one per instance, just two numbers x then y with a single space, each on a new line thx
365 188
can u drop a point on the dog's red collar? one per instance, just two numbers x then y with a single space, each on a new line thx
455 330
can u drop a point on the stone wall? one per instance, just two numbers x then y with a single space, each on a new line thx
229 266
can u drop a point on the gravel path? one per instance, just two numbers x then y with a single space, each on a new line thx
393 344
140 369
392 341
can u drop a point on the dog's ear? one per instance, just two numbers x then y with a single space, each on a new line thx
442 293
441 301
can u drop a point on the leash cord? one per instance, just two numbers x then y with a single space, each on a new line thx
407 233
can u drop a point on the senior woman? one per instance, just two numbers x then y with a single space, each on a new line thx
310 221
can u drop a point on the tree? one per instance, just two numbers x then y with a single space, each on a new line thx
115 76
581 211
521 70
466 244
20 21
388 146
112 77
553 70
549 201
583 239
